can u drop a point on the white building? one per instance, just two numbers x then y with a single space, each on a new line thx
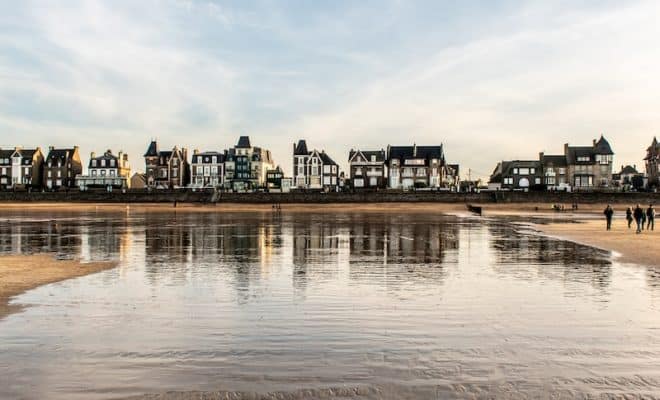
207 169
314 169
106 171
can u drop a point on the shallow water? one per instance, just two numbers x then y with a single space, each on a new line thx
360 305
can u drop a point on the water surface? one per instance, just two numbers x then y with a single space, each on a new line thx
375 304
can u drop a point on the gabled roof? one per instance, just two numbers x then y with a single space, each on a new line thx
579 151
220 157
244 142
301 148
508 166
326 159
152 150
412 152
380 154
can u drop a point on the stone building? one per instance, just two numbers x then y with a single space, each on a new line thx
417 167
652 161
166 169
590 167
107 171
246 166
367 169
207 169
314 169
61 167
21 168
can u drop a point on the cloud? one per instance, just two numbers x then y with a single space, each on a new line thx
501 81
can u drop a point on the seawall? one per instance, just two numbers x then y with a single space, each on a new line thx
324 198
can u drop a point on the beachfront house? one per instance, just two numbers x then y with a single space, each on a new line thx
207 169
314 169
246 166
628 178
523 175
367 169
106 171
652 161
555 172
61 166
417 167
590 167
166 169
21 168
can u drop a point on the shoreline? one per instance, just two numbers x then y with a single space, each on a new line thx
20 273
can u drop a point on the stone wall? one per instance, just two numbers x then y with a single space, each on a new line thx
162 196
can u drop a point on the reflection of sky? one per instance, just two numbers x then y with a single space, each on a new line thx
342 74
201 298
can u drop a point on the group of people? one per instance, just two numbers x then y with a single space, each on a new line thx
641 217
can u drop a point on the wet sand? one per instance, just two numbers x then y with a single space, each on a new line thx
643 248
20 273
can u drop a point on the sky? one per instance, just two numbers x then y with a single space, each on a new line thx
490 80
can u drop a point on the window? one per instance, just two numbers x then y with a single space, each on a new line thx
200 170
508 181
550 180
215 160
373 158
93 163
59 173
102 171
174 173
112 162
301 170
537 181
523 171
93 173
26 171
583 159
532 171
515 171
103 163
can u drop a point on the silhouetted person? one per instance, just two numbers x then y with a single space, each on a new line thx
629 216
638 214
650 217
609 212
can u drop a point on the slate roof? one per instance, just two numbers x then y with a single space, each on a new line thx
326 159
60 154
580 151
508 166
653 150
200 157
603 147
301 148
243 142
152 151
628 170
411 152
5 154
555 161
380 154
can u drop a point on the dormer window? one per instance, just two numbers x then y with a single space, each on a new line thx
93 163
103 163
373 158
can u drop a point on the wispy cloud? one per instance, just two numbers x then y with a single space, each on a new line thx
490 80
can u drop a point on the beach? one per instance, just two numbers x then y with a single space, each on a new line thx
20 273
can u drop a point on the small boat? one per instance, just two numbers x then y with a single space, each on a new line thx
474 209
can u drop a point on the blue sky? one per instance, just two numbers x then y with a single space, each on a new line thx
491 80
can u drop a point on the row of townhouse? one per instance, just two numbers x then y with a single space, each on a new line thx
402 167
579 168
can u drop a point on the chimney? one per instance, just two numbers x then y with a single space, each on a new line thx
185 153
294 148
414 150
92 155
541 156
565 149
594 142
51 148
195 152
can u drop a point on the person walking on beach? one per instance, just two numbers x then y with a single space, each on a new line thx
650 217
638 214
629 216
609 212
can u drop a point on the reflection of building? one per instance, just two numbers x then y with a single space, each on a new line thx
166 169
106 171
367 169
21 168
61 167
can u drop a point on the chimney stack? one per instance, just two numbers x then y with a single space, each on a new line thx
565 149
92 155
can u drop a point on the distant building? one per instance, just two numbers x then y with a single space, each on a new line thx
21 168
166 169
590 167
61 167
138 181
367 169
207 169
246 166
106 171
517 175
417 167
277 182
652 161
314 169
555 172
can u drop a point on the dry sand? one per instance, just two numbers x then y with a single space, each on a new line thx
19 273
